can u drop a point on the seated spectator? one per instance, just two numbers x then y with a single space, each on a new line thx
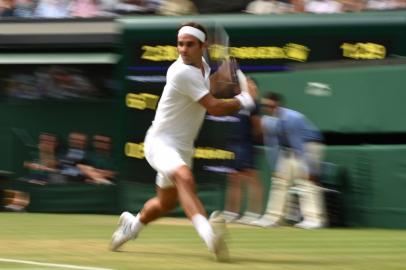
24 8
219 6
323 6
84 8
177 8
101 169
15 200
6 8
384 4
271 6
45 162
133 7
52 9
76 154
352 5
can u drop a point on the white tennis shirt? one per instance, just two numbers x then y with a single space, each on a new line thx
179 115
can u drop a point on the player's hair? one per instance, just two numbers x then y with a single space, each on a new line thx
195 25
275 97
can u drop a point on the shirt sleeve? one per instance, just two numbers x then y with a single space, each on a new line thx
190 83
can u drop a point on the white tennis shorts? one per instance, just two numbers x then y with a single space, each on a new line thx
165 159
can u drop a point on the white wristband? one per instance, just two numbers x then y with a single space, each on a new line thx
247 102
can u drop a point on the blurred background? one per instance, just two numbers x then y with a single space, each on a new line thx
80 81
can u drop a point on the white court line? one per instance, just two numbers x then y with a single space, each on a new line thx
53 264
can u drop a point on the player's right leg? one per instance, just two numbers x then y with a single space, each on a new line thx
212 234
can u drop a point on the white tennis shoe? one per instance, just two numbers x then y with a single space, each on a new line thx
125 231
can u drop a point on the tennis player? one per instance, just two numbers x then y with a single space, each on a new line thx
169 142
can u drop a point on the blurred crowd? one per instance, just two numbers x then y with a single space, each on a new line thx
54 82
75 163
113 8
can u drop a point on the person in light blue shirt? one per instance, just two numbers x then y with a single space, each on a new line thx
294 151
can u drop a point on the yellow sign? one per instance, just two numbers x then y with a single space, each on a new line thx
141 101
290 51
363 50
213 153
159 53
136 150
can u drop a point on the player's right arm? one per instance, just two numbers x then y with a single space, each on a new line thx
245 99
220 107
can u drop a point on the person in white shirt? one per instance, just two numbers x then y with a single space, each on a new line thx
169 140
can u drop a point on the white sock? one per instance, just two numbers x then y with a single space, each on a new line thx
204 229
137 225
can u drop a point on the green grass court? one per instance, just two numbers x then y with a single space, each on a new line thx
81 241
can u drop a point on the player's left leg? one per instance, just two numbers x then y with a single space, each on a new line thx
130 225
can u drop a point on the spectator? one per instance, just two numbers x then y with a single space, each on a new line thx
177 7
271 6
220 6
45 162
24 8
384 4
352 5
323 6
84 8
136 6
52 9
76 154
101 169
7 8
15 200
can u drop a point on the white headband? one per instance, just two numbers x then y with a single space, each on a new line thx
192 31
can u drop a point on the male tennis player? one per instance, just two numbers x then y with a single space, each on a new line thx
169 141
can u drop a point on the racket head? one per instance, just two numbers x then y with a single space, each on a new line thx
224 82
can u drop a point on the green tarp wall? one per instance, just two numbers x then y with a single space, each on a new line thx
367 99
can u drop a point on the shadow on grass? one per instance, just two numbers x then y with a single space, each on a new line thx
236 260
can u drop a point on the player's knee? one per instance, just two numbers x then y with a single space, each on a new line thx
183 178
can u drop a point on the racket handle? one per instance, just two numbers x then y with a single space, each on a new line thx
242 80
246 100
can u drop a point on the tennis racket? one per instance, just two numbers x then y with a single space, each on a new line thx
224 82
